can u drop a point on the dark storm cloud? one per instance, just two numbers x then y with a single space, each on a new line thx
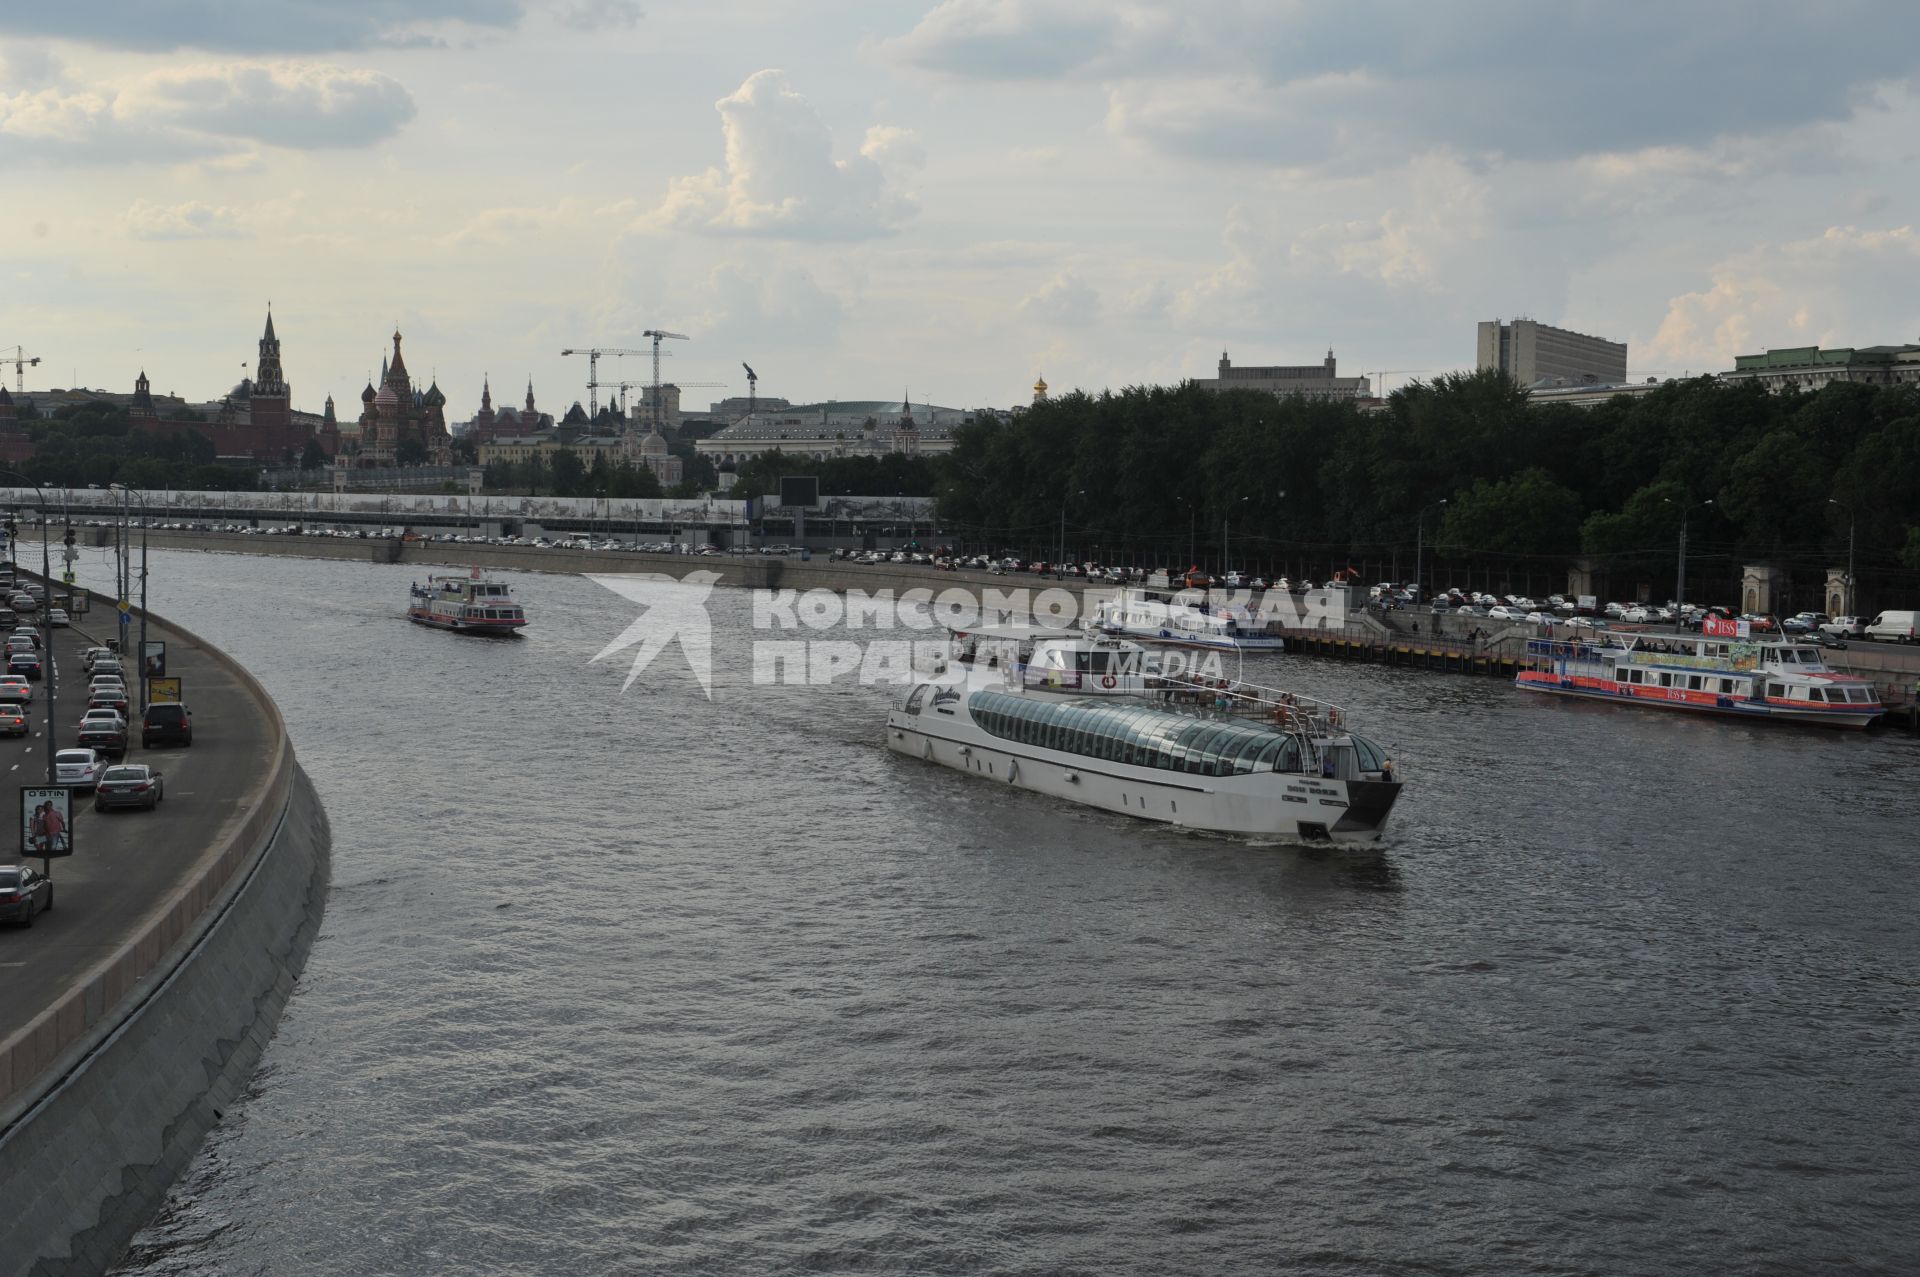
1301 84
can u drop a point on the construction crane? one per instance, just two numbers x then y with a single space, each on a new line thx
657 335
21 361
753 389
593 370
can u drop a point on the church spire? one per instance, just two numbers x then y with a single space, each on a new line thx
268 380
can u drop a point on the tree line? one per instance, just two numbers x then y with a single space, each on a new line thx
91 444
1464 472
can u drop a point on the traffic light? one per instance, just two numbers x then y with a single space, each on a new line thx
69 537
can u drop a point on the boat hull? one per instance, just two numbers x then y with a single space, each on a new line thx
1845 718
496 628
1197 642
1293 808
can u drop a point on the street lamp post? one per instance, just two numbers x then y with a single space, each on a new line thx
141 656
1060 557
1420 548
1680 577
1226 545
1850 526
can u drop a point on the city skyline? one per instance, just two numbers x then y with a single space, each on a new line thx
962 196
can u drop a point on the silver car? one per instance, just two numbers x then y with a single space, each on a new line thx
78 768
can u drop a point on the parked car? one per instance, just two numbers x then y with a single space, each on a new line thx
57 617
108 698
24 891
1845 627
13 720
78 768
129 785
1502 612
168 723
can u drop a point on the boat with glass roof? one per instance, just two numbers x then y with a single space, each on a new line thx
1102 721
1774 681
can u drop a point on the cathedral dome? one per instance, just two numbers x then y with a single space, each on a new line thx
242 391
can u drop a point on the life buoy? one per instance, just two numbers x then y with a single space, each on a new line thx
1109 681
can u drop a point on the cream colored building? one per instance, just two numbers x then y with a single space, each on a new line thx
840 428
1308 381
1533 353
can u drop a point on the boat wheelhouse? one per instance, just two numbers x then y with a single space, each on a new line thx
470 604
1102 721
1776 681
1184 618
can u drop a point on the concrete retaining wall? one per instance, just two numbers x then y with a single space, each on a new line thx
109 1091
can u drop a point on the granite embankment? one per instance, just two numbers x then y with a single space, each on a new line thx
137 1009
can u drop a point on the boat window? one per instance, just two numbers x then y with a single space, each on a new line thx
1371 757
1815 694
1246 758
1693 682
1203 754
916 699
1777 689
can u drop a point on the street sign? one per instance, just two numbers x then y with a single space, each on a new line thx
66 577
71 554
46 822
125 607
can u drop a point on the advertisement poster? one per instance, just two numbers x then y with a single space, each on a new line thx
46 823
155 656
163 691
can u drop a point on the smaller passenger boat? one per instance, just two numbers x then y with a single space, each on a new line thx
468 604
1184 618
1779 681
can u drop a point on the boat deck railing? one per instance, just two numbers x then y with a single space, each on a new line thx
1235 698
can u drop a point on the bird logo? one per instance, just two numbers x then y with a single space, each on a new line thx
675 610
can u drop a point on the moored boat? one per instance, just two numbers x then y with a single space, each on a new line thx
468 604
1101 721
1184 618
1778 681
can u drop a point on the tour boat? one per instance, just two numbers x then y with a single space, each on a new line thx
1777 681
1101 721
469 604
1183 618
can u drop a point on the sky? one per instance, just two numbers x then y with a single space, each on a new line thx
865 199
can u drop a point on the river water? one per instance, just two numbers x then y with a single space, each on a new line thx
647 983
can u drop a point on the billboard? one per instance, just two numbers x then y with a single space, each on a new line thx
800 490
46 822
163 691
154 658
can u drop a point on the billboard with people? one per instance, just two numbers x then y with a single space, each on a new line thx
46 822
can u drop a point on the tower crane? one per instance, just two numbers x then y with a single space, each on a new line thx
21 361
753 389
657 334
593 370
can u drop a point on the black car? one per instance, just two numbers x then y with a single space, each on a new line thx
129 785
168 723
23 893
25 663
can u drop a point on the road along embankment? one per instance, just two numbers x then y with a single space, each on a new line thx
136 1011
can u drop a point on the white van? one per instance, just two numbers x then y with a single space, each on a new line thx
1895 627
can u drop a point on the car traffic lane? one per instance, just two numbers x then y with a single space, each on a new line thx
127 864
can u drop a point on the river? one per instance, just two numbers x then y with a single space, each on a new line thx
646 982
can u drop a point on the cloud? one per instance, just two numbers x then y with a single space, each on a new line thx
1844 287
780 178
249 26
192 220
596 15
1368 81
1065 300
302 106
81 127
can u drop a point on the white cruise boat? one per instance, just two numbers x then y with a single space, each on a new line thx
1184 618
1101 721
468 604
